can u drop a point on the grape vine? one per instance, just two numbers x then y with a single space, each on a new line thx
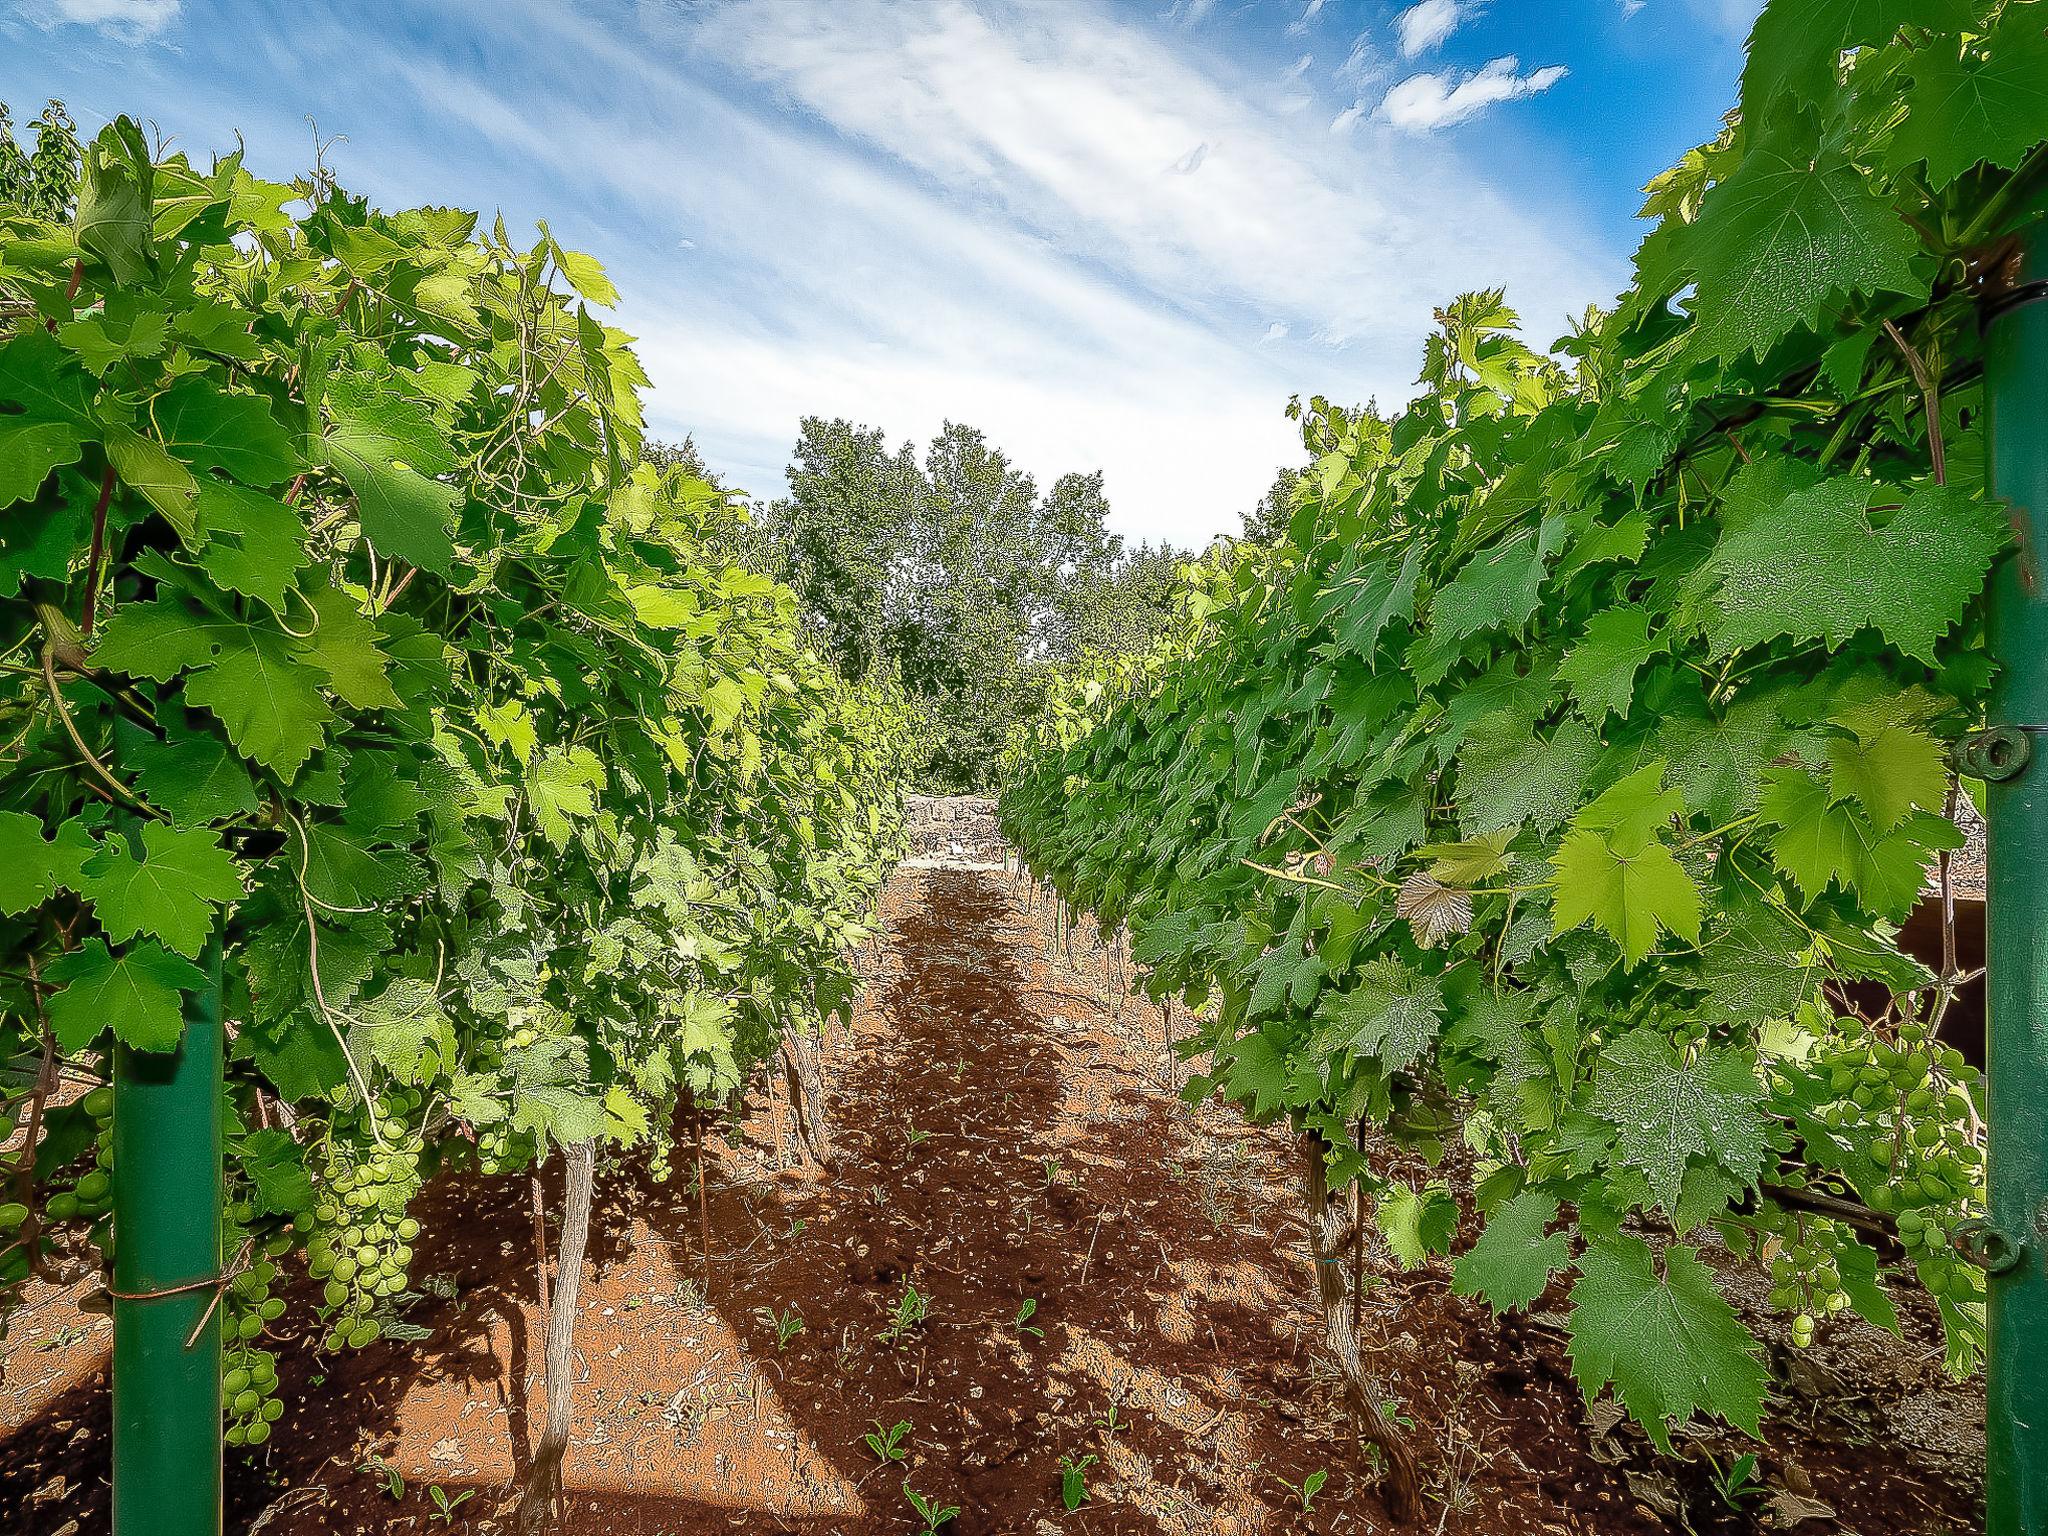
346 628
1557 781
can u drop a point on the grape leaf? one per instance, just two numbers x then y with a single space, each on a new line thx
388 449
1668 1345
139 994
1416 1222
1819 566
1391 1012
1795 46
250 542
250 675
1507 774
1513 1260
1666 1111
1601 668
1631 895
1782 242
34 868
1984 105
344 646
1889 769
208 429
167 887
193 779
54 422
1820 842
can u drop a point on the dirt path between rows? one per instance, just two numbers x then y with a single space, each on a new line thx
1008 1132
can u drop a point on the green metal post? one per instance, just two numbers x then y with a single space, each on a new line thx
2013 756
167 1346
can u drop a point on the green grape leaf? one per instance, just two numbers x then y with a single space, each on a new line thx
1796 45
1719 763
193 779
207 429
404 1030
562 786
1889 769
250 542
1507 774
1391 1012
1256 1073
1631 895
276 1166
139 994
34 868
164 883
344 646
1666 1111
1511 1264
1820 842
1498 588
1632 810
54 422
1781 243
1821 565
389 450
1417 1222
1669 1345
1601 669
1987 105
114 202
250 675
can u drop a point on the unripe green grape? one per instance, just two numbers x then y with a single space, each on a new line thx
259 1432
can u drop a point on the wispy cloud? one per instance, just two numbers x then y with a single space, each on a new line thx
1424 103
1107 243
129 21
1309 13
1425 25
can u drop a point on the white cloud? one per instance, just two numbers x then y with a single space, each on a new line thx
1423 103
1426 24
132 21
1301 66
1348 118
950 210
1307 17
1361 63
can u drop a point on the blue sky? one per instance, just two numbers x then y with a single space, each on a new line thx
1114 236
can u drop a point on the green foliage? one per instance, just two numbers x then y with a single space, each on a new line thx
1554 776
958 578
354 631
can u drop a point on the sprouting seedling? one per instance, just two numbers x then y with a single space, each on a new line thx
1109 1423
392 1478
1023 1324
888 1444
1074 1480
1052 1170
787 1325
1307 1489
910 1311
1737 1482
912 1136
445 1507
928 1510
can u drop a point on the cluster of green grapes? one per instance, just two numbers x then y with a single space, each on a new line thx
248 1371
362 1238
499 1148
1907 1104
91 1197
1805 1277
1929 1168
